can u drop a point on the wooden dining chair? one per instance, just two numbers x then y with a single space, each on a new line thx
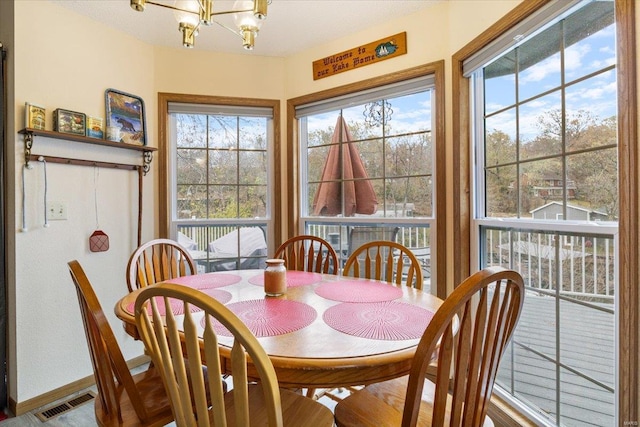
385 260
172 339
123 399
467 338
380 260
308 253
156 261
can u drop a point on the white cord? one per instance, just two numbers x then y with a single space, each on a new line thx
96 175
24 204
46 218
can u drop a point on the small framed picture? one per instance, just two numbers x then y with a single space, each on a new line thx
95 127
126 112
34 116
65 121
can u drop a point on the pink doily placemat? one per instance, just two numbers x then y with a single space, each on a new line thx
269 317
177 307
294 278
358 291
389 320
207 281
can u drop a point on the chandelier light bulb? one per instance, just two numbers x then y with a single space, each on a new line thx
246 18
187 11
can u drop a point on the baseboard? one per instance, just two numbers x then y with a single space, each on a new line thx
19 408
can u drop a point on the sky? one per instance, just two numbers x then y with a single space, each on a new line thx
596 94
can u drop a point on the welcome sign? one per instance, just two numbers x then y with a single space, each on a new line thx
360 56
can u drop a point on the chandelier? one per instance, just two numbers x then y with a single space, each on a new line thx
192 14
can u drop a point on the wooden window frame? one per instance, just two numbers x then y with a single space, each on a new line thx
293 150
164 190
628 225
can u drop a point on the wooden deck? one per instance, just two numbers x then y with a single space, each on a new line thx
586 345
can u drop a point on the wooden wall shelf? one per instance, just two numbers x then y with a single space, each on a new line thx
29 133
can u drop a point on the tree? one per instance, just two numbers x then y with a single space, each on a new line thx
221 166
404 160
589 160
500 178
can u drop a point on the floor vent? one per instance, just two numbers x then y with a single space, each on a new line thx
70 404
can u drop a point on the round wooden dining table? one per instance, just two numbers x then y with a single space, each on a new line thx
326 331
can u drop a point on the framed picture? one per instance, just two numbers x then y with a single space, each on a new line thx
65 121
126 112
34 116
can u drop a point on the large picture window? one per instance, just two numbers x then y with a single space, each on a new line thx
367 168
546 204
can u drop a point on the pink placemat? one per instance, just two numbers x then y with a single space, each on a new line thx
294 278
389 320
358 291
207 281
270 317
177 307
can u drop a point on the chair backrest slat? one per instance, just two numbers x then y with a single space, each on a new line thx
214 369
308 253
156 261
385 260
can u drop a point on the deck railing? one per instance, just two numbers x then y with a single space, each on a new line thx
562 357
202 235
585 262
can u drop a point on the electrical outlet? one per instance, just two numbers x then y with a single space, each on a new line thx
57 210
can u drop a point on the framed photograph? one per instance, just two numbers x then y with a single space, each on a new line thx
65 121
126 112
34 116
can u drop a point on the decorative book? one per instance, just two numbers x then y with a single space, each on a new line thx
34 116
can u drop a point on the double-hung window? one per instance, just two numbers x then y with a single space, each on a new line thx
221 183
367 168
546 203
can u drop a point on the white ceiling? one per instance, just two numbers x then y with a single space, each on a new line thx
291 26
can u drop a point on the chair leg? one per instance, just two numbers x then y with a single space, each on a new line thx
311 392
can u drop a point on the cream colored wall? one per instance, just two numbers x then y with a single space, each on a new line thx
432 35
426 42
64 61
218 74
